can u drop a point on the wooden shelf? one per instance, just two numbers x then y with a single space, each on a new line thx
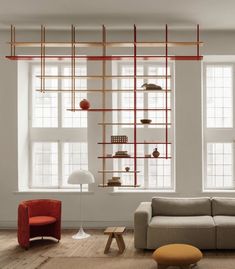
102 91
151 44
118 109
131 124
118 171
122 186
108 57
123 157
131 143
101 77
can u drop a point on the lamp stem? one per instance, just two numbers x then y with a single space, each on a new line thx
81 215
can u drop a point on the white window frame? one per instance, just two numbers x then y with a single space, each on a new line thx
58 134
116 67
216 134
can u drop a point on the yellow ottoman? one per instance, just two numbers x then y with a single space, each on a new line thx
181 255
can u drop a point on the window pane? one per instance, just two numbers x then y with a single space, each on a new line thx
75 157
219 98
219 166
74 119
45 164
44 105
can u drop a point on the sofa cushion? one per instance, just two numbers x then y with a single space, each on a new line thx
164 206
195 230
223 206
225 232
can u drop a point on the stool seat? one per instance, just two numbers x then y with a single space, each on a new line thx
177 255
41 220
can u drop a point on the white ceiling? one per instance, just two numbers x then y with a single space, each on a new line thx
210 14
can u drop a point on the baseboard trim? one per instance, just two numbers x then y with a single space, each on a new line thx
75 224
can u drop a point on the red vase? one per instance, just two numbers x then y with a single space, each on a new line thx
84 104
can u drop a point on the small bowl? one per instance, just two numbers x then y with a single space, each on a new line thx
145 121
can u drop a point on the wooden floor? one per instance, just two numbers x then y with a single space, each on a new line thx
14 257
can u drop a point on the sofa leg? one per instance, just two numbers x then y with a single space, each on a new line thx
162 266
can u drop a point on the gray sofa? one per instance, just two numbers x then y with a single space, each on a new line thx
207 223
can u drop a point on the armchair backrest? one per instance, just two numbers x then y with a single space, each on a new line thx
43 207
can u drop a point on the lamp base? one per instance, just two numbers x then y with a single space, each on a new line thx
81 234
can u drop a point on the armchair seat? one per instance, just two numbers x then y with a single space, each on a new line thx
41 220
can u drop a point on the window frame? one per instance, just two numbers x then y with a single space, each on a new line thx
57 134
216 134
116 67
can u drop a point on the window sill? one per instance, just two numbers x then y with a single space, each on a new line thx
218 191
141 191
54 191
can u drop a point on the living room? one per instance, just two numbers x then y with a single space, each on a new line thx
117 118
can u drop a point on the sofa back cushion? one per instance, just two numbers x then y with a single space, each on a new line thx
223 206
164 206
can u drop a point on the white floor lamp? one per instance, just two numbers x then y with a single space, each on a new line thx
81 177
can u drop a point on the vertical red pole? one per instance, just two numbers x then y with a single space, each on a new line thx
166 62
135 103
104 102
198 40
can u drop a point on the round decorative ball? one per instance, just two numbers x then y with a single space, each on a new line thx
84 104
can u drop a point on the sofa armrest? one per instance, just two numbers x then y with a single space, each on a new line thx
142 217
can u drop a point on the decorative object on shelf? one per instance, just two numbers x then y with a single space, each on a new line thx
145 121
115 181
121 153
119 139
109 155
84 104
127 169
81 177
151 86
156 153
147 155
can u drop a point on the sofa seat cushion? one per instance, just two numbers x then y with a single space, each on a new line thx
195 230
41 220
225 232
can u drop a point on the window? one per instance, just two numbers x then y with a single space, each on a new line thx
58 137
156 174
219 130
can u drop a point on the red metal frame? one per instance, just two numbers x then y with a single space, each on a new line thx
104 57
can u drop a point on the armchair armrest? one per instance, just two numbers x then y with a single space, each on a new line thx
23 233
142 217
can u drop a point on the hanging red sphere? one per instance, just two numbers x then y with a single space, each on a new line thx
84 104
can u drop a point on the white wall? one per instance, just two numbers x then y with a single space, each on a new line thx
102 207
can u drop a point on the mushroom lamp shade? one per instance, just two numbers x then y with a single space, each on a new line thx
81 177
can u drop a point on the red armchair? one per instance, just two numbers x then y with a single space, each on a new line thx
38 218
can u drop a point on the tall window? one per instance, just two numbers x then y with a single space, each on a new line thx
219 129
58 137
156 174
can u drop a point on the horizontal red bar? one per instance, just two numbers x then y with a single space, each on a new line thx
108 58
103 157
138 143
120 109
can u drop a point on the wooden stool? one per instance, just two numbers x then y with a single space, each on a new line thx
181 255
115 232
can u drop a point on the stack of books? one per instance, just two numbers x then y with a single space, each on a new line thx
115 181
121 153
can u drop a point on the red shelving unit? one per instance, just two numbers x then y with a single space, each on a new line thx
103 45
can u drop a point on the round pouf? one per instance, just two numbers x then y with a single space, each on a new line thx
181 255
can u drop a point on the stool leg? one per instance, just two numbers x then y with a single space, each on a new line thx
162 266
119 243
108 244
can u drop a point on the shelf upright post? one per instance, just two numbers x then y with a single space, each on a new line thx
198 38
73 94
103 101
135 106
166 85
43 58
